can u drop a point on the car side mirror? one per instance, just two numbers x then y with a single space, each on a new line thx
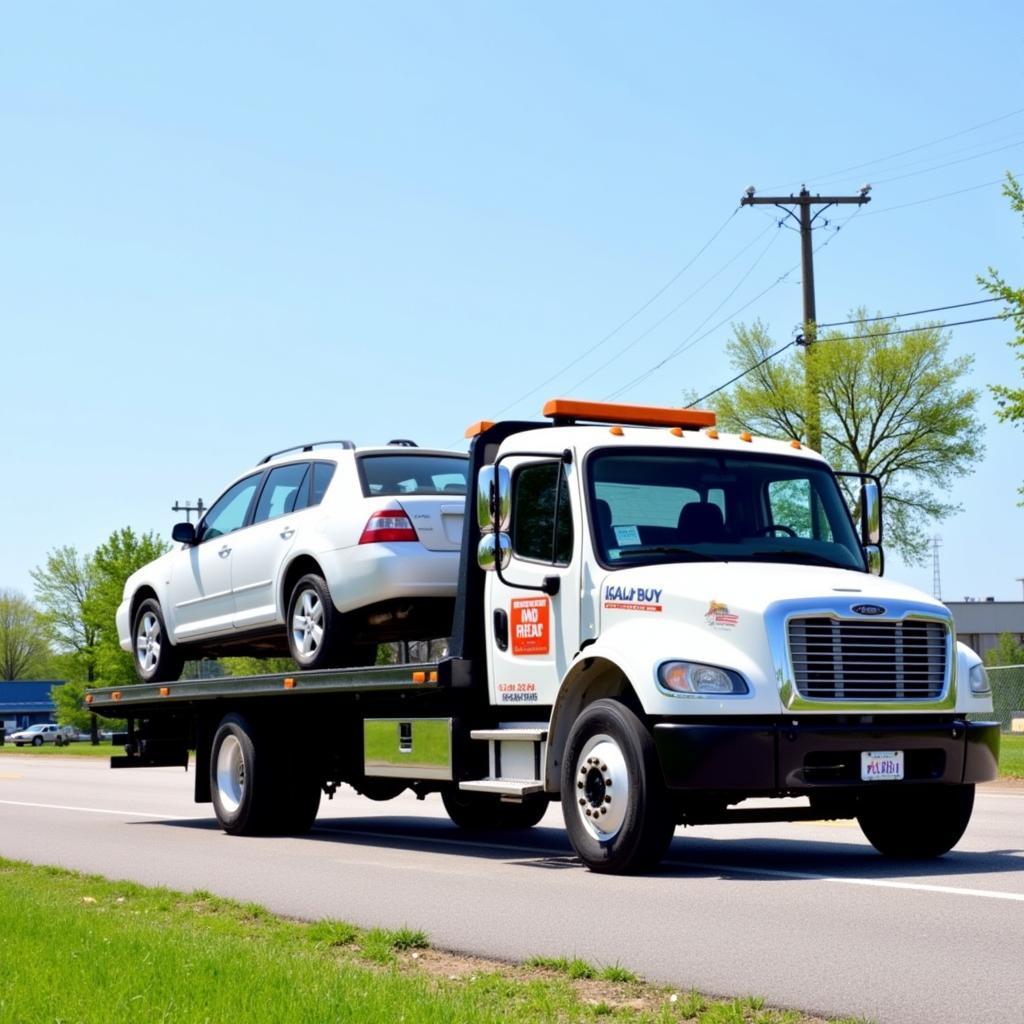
183 533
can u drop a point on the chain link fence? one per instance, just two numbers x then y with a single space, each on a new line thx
1007 696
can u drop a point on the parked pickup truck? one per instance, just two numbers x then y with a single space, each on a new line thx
654 622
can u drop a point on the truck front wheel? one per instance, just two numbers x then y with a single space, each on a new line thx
616 808
256 788
916 821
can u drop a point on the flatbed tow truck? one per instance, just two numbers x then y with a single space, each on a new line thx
655 622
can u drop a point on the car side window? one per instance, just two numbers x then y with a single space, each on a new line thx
228 512
281 491
322 473
542 514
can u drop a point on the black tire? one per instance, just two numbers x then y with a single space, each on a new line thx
916 822
37 741
156 659
611 770
258 789
58 742
314 626
480 811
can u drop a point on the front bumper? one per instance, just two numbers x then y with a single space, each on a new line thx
782 757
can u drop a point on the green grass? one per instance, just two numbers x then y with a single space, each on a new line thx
87 950
79 749
1011 755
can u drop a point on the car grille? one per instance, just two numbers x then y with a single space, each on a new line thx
840 659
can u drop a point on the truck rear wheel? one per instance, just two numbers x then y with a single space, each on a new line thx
257 789
916 821
616 808
478 811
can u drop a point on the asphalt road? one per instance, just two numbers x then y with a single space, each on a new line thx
805 915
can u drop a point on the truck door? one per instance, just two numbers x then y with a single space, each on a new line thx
534 635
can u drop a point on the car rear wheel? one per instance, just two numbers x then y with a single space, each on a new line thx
157 660
313 625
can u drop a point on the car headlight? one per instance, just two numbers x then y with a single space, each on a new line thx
687 677
979 679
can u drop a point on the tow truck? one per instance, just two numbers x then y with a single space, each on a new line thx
657 624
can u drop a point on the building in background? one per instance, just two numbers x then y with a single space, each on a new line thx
24 704
979 623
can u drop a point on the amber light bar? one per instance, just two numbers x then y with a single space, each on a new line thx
569 411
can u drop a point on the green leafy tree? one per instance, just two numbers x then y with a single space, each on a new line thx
1007 651
895 406
62 588
24 647
257 666
1010 400
112 563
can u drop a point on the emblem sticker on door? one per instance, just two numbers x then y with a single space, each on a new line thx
531 625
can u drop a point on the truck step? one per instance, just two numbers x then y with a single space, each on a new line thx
538 735
503 787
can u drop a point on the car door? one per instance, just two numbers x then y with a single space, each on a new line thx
256 563
200 586
534 636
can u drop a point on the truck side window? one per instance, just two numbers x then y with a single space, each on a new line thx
542 514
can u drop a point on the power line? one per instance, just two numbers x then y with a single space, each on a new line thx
932 199
861 337
915 312
629 319
912 149
684 347
679 305
949 163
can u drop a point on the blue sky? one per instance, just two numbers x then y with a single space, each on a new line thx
229 228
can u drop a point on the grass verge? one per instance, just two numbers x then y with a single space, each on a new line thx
80 749
84 949
1011 756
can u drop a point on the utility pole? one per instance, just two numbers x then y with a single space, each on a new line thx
199 508
803 203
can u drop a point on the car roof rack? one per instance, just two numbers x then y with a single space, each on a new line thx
403 442
305 448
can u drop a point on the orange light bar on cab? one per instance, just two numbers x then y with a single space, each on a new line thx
637 415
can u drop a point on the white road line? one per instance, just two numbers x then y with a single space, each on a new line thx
95 810
722 869
878 883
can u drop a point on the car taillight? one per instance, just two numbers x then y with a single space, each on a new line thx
391 524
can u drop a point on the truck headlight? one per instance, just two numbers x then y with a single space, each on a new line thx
686 677
979 680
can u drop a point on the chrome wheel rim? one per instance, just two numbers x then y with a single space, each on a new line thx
308 625
148 638
230 774
602 787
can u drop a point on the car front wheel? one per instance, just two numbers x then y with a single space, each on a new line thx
37 742
157 660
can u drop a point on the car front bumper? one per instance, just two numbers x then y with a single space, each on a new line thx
784 757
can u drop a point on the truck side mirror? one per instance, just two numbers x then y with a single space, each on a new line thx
494 499
876 559
494 551
870 513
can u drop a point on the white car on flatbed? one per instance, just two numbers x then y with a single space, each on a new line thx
321 551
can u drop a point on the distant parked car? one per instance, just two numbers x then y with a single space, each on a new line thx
318 554
37 735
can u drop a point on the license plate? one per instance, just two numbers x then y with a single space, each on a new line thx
878 765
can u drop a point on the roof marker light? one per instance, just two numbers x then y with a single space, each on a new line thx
795 443
712 433
479 427
676 431
616 431
745 436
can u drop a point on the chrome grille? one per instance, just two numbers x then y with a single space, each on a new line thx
843 659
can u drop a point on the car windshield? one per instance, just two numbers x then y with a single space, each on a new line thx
656 505
413 474
35 728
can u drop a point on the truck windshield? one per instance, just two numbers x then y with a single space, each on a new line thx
656 505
